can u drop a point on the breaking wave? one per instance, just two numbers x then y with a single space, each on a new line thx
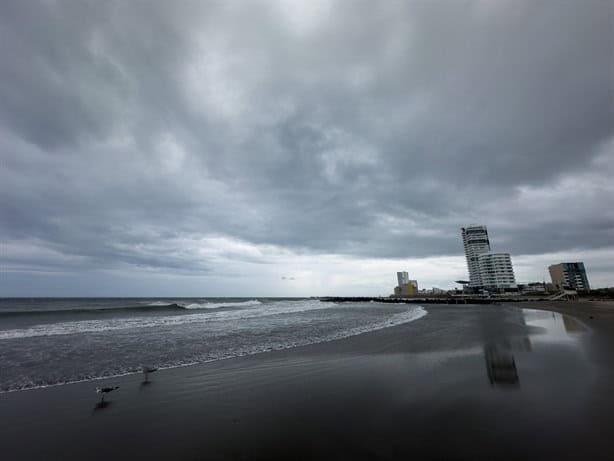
152 306
251 302
218 312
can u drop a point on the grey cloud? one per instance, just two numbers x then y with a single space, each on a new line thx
372 131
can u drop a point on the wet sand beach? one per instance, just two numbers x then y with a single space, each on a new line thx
464 382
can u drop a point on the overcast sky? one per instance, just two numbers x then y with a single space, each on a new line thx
300 147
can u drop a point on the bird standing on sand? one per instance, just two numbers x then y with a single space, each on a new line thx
146 371
105 390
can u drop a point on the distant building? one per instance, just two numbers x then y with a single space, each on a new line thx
406 287
569 275
535 287
475 243
496 271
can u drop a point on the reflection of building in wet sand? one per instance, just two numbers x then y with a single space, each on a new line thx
514 331
500 364
499 355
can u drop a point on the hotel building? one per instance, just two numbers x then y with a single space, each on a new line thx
569 275
475 242
487 270
496 271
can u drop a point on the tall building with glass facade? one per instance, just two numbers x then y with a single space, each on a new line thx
569 275
487 270
475 243
403 278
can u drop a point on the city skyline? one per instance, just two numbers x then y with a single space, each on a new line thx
299 148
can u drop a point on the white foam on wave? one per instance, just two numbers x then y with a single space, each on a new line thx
203 305
251 302
97 326
157 303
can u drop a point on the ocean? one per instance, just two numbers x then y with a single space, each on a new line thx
53 341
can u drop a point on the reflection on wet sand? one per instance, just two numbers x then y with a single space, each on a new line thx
555 327
500 362
572 325
500 365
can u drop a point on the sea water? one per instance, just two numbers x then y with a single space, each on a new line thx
54 341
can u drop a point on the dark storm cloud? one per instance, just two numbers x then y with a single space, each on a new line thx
129 131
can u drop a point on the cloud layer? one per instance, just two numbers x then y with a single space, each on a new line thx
200 139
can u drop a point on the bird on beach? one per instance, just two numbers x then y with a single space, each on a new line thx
146 370
105 390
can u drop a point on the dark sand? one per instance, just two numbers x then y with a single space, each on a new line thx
463 383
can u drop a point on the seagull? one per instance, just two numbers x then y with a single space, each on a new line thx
146 371
105 390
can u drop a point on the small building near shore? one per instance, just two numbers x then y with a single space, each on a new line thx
405 288
535 287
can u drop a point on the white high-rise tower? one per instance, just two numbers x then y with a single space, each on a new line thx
475 241
496 271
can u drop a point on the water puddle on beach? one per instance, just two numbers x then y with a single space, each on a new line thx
557 328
